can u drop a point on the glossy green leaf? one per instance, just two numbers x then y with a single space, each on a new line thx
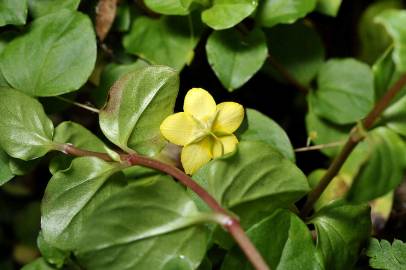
40 8
77 135
384 71
298 48
283 240
137 105
13 12
394 22
5 172
345 91
51 254
328 7
169 7
55 56
259 127
272 12
110 74
394 117
225 14
373 39
235 57
38 264
22 167
384 168
169 40
25 130
341 230
256 171
385 256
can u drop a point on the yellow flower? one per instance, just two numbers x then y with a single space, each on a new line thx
204 128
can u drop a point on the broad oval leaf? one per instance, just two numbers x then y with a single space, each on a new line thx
328 7
272 12
40 8
235 57
51 254
169 7
259 127
383 170
13 12
394 22
225 14
345 91
38 264
26 131
283 240
169 40
137 105
341 230
55 56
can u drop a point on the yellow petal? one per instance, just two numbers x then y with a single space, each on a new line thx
229 117
179 128
195 155
224 145
200 104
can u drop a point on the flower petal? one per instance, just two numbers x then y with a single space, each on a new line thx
195 155
224 145
179 128
200 104
229 117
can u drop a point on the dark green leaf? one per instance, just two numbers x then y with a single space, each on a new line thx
284 242
384 168
55 56
225 14
169 40
13 12
235 57
298 48
259 127
137 105
26 224
385 256
345 91
272 12
51 254
384 72
5 172
341 231
26 131
38 264
328 7
169 7
40 8
22 167
395 116
394 22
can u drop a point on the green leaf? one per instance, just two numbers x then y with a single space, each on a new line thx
26 131
5 172
384 72
272 12
137 105
169 7
77 135
385 256
345 91
284 242
152 218
259 127
235 57
38 264
55 56
373 38
51 254
225 14
394 22
394 116
22 167
328 7
255 172
298 48
341 230
383 170
40 8
110 74
169 40
13 12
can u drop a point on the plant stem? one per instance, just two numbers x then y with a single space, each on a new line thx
83 106
232 225
320 146
353 139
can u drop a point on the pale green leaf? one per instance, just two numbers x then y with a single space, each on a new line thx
328 7
169 7
385 256
40 8
13 12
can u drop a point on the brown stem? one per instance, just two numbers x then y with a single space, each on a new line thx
232 225
353 139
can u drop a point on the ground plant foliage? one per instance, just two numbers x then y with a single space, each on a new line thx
202 134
